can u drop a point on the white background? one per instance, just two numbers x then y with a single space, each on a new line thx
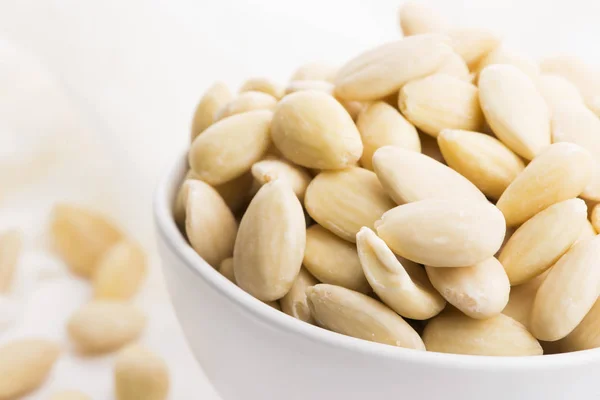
96 98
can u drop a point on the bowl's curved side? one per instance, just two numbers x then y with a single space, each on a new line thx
251 351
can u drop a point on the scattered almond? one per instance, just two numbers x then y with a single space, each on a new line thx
120 272
140 374
10 250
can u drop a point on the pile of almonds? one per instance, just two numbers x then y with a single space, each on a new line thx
95 249
432 193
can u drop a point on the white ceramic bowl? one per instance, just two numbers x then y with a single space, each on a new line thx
250 351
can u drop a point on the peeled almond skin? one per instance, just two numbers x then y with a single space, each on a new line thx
416 18
577 124
482 159
315 71
226 269
103 326
270 242
473 44
557 91
120 272
559 173
453 332
321 86
25 365
264 85
568 292
583 76
294 303
10 250
312 129
441 102
408 176
380 125
333 260
244 102
521 300
81 237
297 177
504 55
523 125
355 314
213 99
443 233
210 225
228 148
345 201
140 374
403 286
480 291
69 395
587 334
455 66
384 70
542 240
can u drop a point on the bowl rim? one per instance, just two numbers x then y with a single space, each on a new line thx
170 235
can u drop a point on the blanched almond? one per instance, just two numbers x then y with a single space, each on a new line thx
315 71
268 170
482 159
472 44
480 291
355 314
226 269
439 102
69 395
210 225
380 125
568 292
453 332
270 242
559 173
294 303
10 250
416 18
585 77
312 129
542 240
333 260
213 99
384 70
345 201
587 334
81 237
119 272
140 374
521 300
25 365
524 125
574 123
408 176
402 285
455 66
227 149
505 55
443 233
244 102
320 86
264 85
558 91
104 326
587 232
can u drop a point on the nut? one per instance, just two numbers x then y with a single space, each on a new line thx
402 285
103 326
355 314
408 176
25 365
227 149
345 201
455 66
416 18
380 125
524 125
473 44
213 99
312 129
557 91
10 250
244 102
315 71
270 242
82 236
320 86
453 332
586 335
542 240
482 159
333 260
294 303
559 173
439 102
587 232
443 233
268 170
140 374
521 299
119 272
504 55
480 291
264 85
226 269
